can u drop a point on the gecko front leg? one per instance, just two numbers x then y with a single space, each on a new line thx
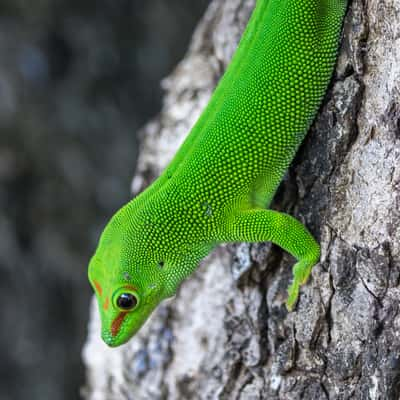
261 225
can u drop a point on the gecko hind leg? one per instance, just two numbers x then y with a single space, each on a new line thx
261 225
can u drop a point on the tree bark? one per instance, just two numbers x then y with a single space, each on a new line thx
227 334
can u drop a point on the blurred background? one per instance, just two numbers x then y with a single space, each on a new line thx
77 80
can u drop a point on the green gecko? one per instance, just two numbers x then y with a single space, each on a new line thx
220 182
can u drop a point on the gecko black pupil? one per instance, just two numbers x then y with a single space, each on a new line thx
126 301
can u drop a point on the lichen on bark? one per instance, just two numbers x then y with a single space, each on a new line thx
227 334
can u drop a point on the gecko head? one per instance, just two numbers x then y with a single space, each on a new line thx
141 259
131 272
125 300
124 304
127 280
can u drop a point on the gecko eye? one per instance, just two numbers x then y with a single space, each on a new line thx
126 301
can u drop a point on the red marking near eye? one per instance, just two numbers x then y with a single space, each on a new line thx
116 325
98 287
106 304
130 287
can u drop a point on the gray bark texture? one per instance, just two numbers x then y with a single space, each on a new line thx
227 334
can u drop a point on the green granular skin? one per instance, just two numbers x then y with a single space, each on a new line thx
222 179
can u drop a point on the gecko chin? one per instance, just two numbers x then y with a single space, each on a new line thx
113 339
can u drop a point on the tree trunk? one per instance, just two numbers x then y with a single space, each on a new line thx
227 334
